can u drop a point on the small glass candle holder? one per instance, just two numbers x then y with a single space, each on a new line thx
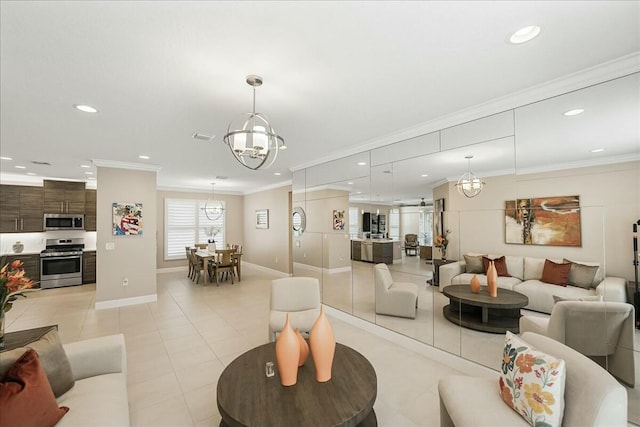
269 369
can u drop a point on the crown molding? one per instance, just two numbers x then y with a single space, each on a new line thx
125 165
601 73
268 187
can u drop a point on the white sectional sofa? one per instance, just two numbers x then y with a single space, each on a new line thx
99 396
526 273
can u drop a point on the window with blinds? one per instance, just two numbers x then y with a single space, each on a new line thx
394 224
186 224
354 223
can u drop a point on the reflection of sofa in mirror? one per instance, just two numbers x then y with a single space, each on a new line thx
524 277
601 330
411 244
394 298
592 397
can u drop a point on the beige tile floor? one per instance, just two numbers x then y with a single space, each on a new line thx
178 346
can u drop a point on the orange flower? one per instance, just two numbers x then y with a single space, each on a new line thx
16 264
525 362
505 393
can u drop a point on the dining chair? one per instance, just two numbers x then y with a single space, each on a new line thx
198 266
224 264
201 245
190 262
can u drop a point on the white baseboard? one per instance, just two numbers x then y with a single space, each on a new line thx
266 269
171 269
440 356
115 303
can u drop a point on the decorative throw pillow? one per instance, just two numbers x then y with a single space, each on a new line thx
532 383
581 274
499 263
473 264
591 298
26 398
52 358
555 273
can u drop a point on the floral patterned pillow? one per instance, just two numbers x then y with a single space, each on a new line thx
532 383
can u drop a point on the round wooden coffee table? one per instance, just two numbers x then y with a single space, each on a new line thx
246 397
483 312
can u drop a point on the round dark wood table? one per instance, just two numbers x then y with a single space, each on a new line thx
246 397
483 312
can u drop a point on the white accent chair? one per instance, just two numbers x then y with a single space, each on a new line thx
394 298
592 396
603 331
298 296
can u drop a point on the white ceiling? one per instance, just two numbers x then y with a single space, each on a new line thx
338 76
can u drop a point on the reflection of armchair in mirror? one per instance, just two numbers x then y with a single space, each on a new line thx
411 244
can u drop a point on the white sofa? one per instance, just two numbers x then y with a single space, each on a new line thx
592 397
526 273
99 396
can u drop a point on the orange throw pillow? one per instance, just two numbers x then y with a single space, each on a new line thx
499 263
26 397
556 274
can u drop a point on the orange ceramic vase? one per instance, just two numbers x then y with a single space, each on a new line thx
304 348
492 280
323 347
475 284
287 355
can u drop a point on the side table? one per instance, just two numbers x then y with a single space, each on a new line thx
22 338
436 270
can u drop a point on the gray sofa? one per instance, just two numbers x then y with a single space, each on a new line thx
592 396
526 273
99 396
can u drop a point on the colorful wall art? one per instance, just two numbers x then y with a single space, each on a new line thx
550 221
127 219
338 220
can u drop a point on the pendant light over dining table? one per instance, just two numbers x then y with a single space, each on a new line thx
252 139
213 209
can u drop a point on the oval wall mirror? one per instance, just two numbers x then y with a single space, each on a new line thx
299 220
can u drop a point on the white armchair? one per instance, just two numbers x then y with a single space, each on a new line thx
601 330
298 296
394 298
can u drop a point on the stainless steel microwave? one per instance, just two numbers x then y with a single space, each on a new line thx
63 222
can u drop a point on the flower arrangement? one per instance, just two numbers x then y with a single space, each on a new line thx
442 242
13 283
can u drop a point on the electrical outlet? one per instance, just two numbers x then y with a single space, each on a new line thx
125 281
110 246
276 260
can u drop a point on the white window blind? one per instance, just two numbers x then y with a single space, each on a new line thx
354 225
426 228
186 225
394 224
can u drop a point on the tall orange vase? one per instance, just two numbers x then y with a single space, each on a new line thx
304 348
288 355
492 280
323 347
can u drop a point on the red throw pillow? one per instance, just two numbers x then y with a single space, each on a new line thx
26 397
499 263
555 273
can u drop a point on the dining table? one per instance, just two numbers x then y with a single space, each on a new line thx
205 255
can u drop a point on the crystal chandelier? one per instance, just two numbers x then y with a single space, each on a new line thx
252 139
213 209
468 184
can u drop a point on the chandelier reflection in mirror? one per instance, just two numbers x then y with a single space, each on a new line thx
468 184
252 139
213 209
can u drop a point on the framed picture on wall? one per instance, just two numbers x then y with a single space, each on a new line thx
438 217
127 219
262 218
338 220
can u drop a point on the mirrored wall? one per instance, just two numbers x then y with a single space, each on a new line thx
358 209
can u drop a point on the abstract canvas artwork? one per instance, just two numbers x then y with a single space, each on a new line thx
338 220
550 221
127 219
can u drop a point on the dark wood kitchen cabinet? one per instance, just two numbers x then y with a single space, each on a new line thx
21 209
88 267
30 263
64 197
90 210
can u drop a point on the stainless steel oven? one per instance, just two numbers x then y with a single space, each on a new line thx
61 263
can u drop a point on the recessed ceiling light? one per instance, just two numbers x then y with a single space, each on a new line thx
31 173
85 108
89 173
6 158
424 175
525 34
143 157
597 150
350 182
362 163
20 167
277 173
85 166
574 112
283 147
